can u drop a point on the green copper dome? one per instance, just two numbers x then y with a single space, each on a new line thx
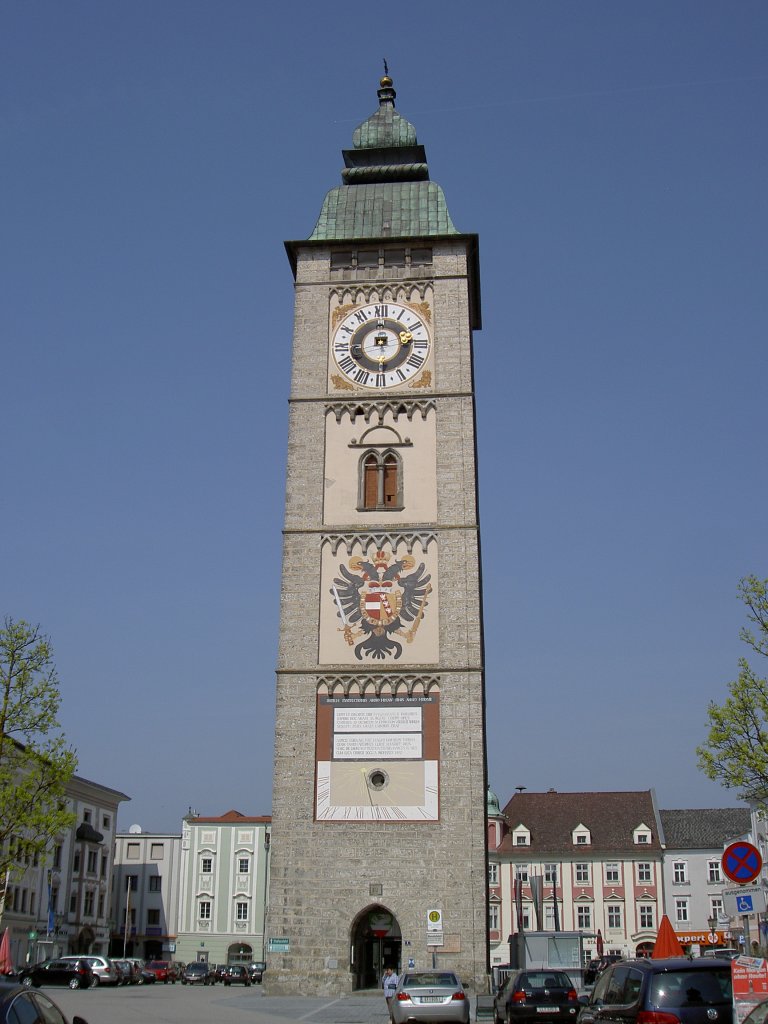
492 801
386 127
386 190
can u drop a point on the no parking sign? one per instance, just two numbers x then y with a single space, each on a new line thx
742 862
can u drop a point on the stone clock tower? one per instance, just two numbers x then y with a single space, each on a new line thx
378 831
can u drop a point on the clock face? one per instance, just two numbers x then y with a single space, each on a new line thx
381 345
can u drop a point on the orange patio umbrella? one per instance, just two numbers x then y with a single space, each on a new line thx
667 943
6 964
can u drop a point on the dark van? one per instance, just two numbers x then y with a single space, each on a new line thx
670 991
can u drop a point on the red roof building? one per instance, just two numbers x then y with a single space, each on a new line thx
599 857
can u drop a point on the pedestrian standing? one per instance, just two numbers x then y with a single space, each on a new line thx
389 985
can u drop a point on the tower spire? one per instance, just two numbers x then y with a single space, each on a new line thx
386 188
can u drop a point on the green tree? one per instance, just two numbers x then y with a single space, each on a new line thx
736 750
35 761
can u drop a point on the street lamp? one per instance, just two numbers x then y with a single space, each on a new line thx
267 841
712 922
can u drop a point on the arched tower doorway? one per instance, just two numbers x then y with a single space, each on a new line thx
375 943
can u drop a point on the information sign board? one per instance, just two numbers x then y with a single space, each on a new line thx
746 899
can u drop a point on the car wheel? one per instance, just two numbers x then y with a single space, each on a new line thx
74 983
95 981
26 982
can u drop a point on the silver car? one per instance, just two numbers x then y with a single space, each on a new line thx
104 971
433 996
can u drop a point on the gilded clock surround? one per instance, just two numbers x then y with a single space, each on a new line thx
381 342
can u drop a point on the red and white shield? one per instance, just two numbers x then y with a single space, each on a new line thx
380 603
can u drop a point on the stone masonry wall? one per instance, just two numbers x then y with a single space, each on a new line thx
322 872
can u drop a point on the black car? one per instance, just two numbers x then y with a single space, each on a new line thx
256 970
237 975
597 966
75 973
19 1004
673 991
536 995
198 973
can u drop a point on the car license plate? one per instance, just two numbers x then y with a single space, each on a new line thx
546 1009
431 999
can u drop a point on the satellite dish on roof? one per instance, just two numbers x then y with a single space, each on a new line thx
135 830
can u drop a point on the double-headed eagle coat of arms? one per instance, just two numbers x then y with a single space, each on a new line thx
376 601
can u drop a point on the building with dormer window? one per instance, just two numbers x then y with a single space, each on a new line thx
600 857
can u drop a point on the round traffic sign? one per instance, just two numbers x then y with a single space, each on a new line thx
742 862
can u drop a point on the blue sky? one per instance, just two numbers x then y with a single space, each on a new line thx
612 158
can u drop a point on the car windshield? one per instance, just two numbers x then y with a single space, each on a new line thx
430 980
691 988
544 979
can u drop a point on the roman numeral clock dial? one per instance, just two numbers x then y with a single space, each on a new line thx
381 345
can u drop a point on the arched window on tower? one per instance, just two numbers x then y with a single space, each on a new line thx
371 481
381 481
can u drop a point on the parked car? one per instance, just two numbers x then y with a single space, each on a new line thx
163 970
104 970
435 996
72 971
138 966
197 973
19 1004
597 966
237 975
124 972
220 972
536 995
724 954
591 972
675 990
256 970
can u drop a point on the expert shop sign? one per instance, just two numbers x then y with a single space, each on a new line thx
703 938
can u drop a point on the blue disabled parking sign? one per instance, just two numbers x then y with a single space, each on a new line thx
744 904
